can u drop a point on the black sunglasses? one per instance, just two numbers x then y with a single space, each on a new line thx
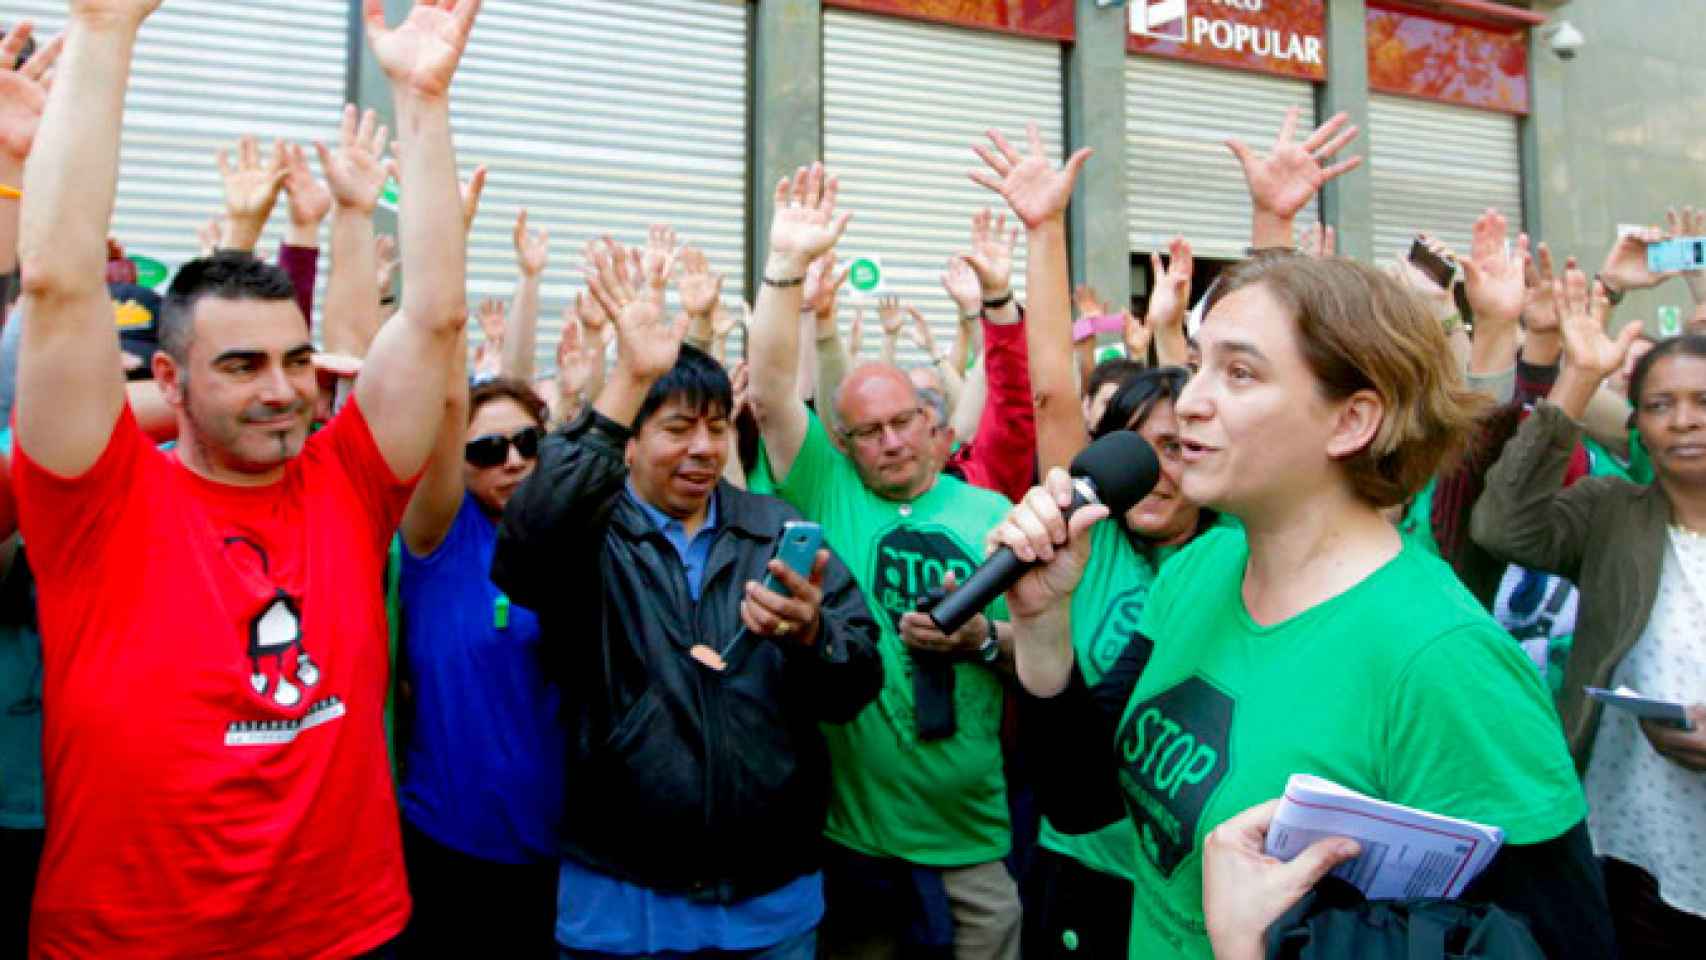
493 449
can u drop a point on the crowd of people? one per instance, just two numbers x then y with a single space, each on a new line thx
389 649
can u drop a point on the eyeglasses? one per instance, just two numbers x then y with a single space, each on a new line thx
871 432
493 449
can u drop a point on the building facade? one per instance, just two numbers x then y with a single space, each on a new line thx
608 115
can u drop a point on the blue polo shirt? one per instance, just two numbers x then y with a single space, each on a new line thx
600 913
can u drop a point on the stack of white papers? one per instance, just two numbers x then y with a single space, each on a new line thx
1405 852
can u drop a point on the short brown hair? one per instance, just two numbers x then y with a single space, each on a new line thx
1359 329
509 388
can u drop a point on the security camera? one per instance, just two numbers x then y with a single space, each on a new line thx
1567 40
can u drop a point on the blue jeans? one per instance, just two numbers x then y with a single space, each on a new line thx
802 947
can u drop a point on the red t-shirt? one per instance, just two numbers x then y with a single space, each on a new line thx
214 668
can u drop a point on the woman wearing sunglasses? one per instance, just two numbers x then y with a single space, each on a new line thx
479 742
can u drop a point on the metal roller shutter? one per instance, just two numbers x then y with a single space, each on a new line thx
207 72
1180 178
604 117
903 104
1437 167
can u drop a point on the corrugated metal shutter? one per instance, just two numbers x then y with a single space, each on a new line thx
604 117
1436 168
1180 178
207 72
903 104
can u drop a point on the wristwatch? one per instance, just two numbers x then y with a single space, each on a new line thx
990 651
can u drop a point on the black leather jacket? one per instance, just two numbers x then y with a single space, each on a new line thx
680 778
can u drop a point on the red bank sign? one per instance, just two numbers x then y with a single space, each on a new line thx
1272 36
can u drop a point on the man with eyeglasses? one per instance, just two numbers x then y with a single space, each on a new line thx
918 820
479 821
695 669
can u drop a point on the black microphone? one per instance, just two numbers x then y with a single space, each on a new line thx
1117 471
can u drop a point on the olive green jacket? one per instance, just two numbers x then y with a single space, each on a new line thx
1605 535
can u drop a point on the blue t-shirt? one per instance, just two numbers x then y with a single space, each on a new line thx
20 696
600 913
483 758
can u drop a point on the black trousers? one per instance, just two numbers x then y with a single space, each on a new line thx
469 907
20 856
1072 911
1647 927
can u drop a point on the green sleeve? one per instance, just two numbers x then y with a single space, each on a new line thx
819 474
1471 733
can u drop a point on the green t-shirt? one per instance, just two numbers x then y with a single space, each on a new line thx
1417 525
1106 609
941 803
1601 462
1401 687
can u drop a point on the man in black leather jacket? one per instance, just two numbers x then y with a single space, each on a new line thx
698 777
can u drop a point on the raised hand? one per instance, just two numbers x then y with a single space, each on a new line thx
662 247
357 172
210 236
532 250
421 53
888 314
1625 266
1493 273
1086 302
806 224
963 287
823 285
991 256
1031 184
1139 332
1412 276
740 383
921 334
493 320
574 359
856 333
1283 182
23 92
309 200
1171 297
629 285
1540 304
1588 350
251 190
723 321
599 325
697 284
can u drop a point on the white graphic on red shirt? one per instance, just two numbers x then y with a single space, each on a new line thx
275 634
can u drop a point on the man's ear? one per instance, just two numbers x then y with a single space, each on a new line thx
628 449
1357 424
169 376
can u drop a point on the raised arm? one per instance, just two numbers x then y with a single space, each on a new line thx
805 226
823 283
1039 194
1168 304
70 391
23 94
1525 515
403 408
630 286
438 496
888 319
1284 181
698 287
252 186
356 175
1494 282
521 338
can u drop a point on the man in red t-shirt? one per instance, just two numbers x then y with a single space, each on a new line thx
213 634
